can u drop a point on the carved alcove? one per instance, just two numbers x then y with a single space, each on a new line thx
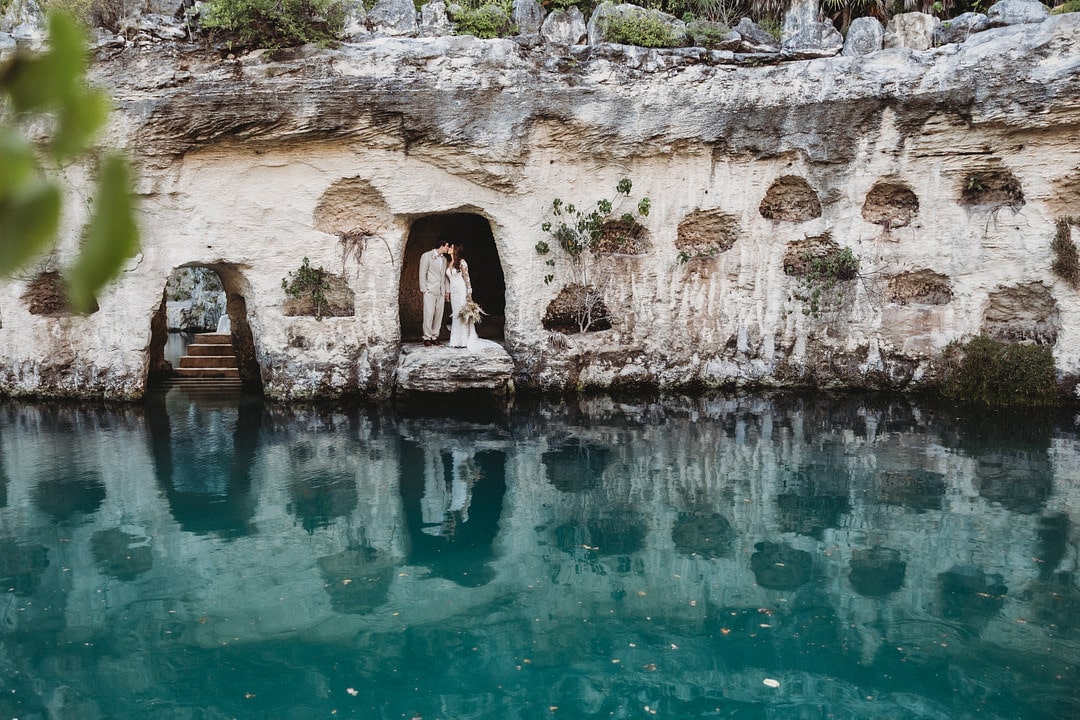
792 199
706 234
45 295
473 231
890 204
919 287
990 188
1022 313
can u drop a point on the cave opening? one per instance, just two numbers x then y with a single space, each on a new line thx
194 301
474 233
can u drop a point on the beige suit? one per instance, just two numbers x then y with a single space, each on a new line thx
434 285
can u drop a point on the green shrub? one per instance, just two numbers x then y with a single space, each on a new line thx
94 13
485 22
274 24
1068 7
641 29
821 278
309 285
1066 259
992 373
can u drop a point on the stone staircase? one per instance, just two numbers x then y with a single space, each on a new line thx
210 364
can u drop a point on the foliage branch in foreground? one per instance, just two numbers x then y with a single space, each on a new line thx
52 86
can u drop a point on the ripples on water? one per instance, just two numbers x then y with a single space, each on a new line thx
686 558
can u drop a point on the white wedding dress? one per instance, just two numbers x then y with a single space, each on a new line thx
462 334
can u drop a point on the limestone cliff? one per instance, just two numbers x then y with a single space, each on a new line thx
943 171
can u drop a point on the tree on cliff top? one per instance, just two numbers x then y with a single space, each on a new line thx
49 91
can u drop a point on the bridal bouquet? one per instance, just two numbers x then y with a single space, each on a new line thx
470 313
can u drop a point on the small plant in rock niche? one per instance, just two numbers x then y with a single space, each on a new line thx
308 284
823 269
1066 258
583 234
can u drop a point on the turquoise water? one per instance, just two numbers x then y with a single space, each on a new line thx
688 558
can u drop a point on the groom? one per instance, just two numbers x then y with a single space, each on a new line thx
435 287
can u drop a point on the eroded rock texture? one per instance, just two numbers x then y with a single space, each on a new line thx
943 171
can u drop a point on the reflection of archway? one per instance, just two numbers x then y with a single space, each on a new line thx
489 285
234 286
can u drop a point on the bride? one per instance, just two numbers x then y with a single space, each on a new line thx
462 333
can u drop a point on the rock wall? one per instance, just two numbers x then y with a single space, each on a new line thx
943 172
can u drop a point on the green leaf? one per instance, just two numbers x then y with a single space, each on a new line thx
49 80
110 239
17 162
78 119
28 220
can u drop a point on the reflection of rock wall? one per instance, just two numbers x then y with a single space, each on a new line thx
717 515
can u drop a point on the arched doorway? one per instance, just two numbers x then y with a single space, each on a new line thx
193 300
488 283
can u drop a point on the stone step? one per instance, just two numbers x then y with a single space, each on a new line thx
209 349
213 338
443 369
208 361
207 372
202 383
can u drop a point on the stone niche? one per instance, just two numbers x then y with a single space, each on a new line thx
622 237
790 198
919 287
352 207
577 309
1022 313
890 204
45 295
801 254
706 233
991 187
338 300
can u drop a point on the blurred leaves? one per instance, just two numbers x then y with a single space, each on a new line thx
49 90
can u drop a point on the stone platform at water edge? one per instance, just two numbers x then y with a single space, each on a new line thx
442 369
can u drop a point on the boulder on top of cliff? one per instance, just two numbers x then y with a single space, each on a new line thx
354 26
914 30
528 15
152 25
564 27
815 41
435 20
865 36
960 28
394 17
800 16
755 39
1016 12
25 21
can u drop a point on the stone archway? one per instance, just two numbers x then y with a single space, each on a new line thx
489 284
233 286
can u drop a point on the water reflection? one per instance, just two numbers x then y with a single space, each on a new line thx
452 498
203 454
596 559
